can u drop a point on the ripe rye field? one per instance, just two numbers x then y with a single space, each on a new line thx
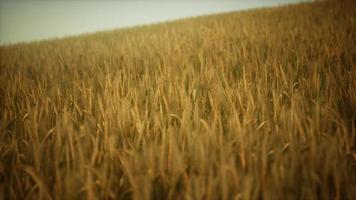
256 104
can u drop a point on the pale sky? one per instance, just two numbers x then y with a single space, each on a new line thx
29 20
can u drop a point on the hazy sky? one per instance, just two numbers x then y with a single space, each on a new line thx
35 20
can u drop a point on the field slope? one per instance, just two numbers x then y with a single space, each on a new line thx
256 104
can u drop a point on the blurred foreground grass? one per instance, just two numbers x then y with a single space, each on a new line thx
249 105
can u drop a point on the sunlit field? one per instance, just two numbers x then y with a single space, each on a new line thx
256 104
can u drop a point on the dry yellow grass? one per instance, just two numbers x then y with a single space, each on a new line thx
248 105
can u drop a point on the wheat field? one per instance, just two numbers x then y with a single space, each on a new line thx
256 104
